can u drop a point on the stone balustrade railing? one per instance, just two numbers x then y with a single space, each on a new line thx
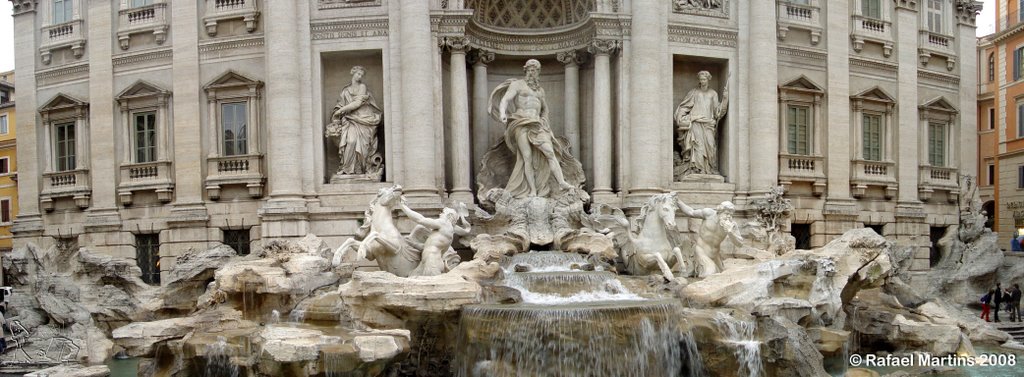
156 176
149 18
70 183
69 34
938 178
874 30
864 173
222 10
244 170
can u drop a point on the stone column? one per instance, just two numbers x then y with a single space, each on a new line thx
418 104
461 157
283 92
602 50
187 127
650 112
763 91
98 144
572 98
481 116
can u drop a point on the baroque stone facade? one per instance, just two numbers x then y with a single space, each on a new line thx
194 123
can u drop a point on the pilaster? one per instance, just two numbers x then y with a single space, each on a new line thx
29 222
572 60
650 113
417 57
602 112
481 116
967 12
906 128
838 127
763 90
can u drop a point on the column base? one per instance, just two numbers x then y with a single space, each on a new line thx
461 196
606 197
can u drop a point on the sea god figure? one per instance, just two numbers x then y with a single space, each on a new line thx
354 123
696 121
521 106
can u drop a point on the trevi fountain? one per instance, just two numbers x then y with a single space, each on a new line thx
533 280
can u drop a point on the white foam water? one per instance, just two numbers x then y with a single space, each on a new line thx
740 334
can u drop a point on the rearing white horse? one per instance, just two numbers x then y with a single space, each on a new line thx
654 247
378 238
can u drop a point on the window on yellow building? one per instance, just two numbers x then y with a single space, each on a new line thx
3 124
5 210
5 165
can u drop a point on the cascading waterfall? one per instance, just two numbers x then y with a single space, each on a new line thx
275 316
573 323
740 335
218 359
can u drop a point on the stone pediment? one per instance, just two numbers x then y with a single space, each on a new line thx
62 102
939 104
802 83
141 89
232 79
874 94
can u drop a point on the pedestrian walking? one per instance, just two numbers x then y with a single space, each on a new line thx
985 300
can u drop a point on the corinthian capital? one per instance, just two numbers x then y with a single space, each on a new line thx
603 46
456 44
24 6
481 56
570 57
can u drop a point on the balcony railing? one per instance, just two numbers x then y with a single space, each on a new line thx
800 168
63 35
71 183
799 16
156 176
235 170
150 18
938 178
866 29
873 173
222 10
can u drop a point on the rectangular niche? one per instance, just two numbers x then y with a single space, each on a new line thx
336 68
685 71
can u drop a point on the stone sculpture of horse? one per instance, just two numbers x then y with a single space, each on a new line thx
653 245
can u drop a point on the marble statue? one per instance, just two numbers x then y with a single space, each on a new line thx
378 239
439 235
540 159
696 120
717 225
354 123
656 246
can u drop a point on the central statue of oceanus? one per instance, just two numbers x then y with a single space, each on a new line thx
529 161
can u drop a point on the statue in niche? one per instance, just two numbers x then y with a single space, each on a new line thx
696 121
542 164
354 123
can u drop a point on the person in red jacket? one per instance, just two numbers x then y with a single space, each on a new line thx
985 300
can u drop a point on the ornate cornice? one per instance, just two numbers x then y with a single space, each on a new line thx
62 74
805 56
702 36
450 22
518 43
873 67
353 28
333 4
231 47
940 79
136 58
24 6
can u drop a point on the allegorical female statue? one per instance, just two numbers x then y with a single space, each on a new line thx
696 121
354 123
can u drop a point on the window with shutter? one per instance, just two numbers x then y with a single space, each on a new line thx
936 144
799 130
872 129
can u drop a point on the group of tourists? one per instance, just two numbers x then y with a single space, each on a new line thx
1007 299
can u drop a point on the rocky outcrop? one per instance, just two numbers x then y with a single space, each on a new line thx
72 371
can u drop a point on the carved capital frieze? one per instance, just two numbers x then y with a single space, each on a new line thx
570 57
967 11
455 44
603 46
481 56
24 6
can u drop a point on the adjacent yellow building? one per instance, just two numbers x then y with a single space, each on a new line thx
8 166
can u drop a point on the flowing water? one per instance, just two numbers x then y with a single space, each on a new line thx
740 335
573 323
218 359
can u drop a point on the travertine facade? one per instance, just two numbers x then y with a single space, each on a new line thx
203 121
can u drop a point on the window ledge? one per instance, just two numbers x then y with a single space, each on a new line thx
235 170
